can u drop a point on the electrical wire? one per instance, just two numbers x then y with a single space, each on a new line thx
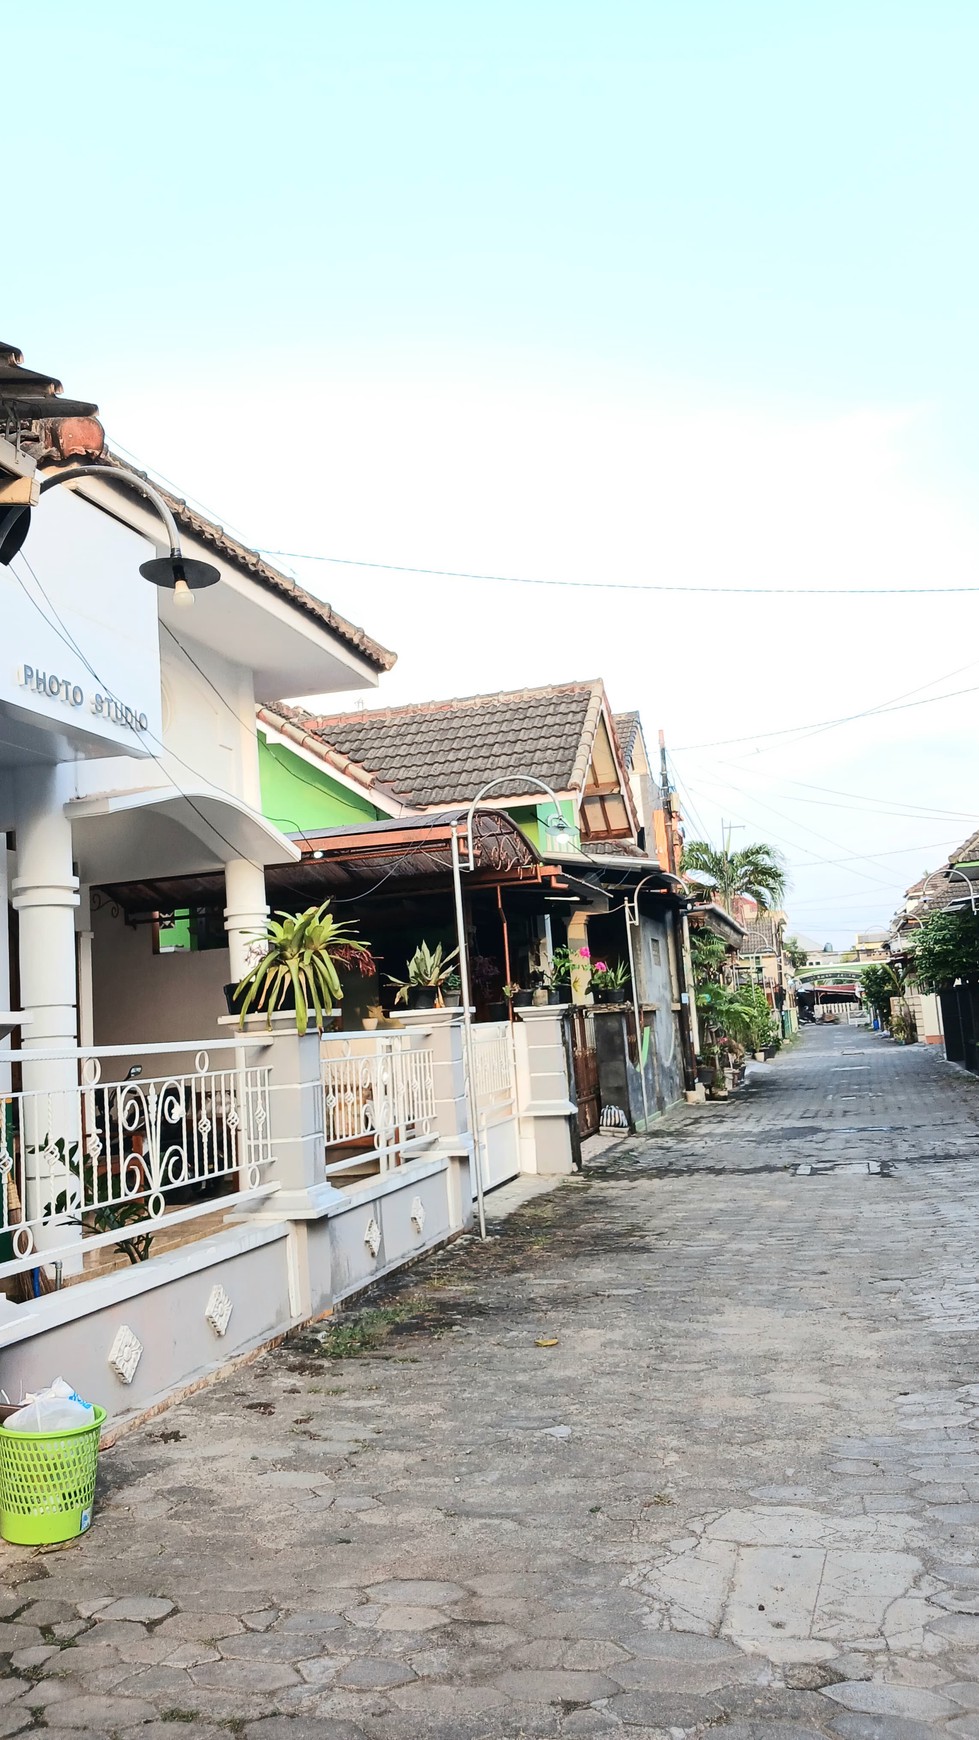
252 732
64 634
825 724
863 797
623 585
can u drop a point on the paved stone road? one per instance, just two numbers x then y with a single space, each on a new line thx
741 1492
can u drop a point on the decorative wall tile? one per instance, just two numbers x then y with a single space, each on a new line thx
125 1354
218 1310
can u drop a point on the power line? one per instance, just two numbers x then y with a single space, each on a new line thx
863 797
623 585
64 634
845 719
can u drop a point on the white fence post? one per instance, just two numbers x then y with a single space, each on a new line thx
543 1102
442 1031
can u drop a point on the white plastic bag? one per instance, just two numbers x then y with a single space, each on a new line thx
56 1409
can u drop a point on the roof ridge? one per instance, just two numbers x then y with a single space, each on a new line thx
461 701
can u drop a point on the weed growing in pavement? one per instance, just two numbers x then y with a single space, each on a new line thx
351 1336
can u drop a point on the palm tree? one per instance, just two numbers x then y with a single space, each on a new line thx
756 871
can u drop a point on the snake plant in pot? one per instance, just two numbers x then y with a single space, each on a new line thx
429 973
298 969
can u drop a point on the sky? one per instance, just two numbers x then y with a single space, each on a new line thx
630 294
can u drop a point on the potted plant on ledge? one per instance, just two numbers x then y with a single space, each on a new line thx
518 998
297 969
609 984
429 972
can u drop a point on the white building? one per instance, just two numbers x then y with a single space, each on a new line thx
273 1174
128 750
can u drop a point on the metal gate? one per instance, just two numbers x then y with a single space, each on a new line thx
495 1093
585 1057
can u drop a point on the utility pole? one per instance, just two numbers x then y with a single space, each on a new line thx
689 1038
667 791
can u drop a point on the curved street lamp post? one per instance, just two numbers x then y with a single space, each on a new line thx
556 826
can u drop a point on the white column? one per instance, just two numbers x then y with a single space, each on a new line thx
4 964
86 983
543 1102
45 895
246 912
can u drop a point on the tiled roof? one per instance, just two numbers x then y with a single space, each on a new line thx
626 727
439 752
933 892
761 937
255 566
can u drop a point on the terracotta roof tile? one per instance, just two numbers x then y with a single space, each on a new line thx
438 752
255 566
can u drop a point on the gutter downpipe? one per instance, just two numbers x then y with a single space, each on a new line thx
467 1038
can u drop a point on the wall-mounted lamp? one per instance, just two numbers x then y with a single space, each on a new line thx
184 575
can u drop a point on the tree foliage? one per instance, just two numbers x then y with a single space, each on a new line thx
757 871
797 955
878 984
946 948
708 954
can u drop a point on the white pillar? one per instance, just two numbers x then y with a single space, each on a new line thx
246 912
4 964
45 895
543 1102
86 983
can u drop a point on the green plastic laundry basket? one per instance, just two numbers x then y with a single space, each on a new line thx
47 1483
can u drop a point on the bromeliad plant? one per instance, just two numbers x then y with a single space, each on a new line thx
300 961
428 969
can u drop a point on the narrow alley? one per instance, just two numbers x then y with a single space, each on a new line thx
690 1444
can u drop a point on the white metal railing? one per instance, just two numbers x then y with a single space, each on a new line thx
378 1101
91 1160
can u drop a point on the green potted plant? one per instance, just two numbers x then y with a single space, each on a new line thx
565 963
609 982
452 991
297 969
517 997
428 971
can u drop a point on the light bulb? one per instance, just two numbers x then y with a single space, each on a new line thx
183 597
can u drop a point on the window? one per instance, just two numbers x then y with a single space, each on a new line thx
189 929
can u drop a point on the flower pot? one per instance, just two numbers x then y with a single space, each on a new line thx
369 1023
452 999
497 1011
556 995
422 996
523 999
759 1056
539 998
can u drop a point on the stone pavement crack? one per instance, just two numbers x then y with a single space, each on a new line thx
691 1444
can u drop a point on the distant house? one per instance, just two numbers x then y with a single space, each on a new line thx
577 781
951 1018
762 960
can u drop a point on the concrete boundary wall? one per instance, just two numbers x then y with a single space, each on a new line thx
138 1337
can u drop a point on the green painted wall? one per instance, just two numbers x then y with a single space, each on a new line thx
530 819
297 797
